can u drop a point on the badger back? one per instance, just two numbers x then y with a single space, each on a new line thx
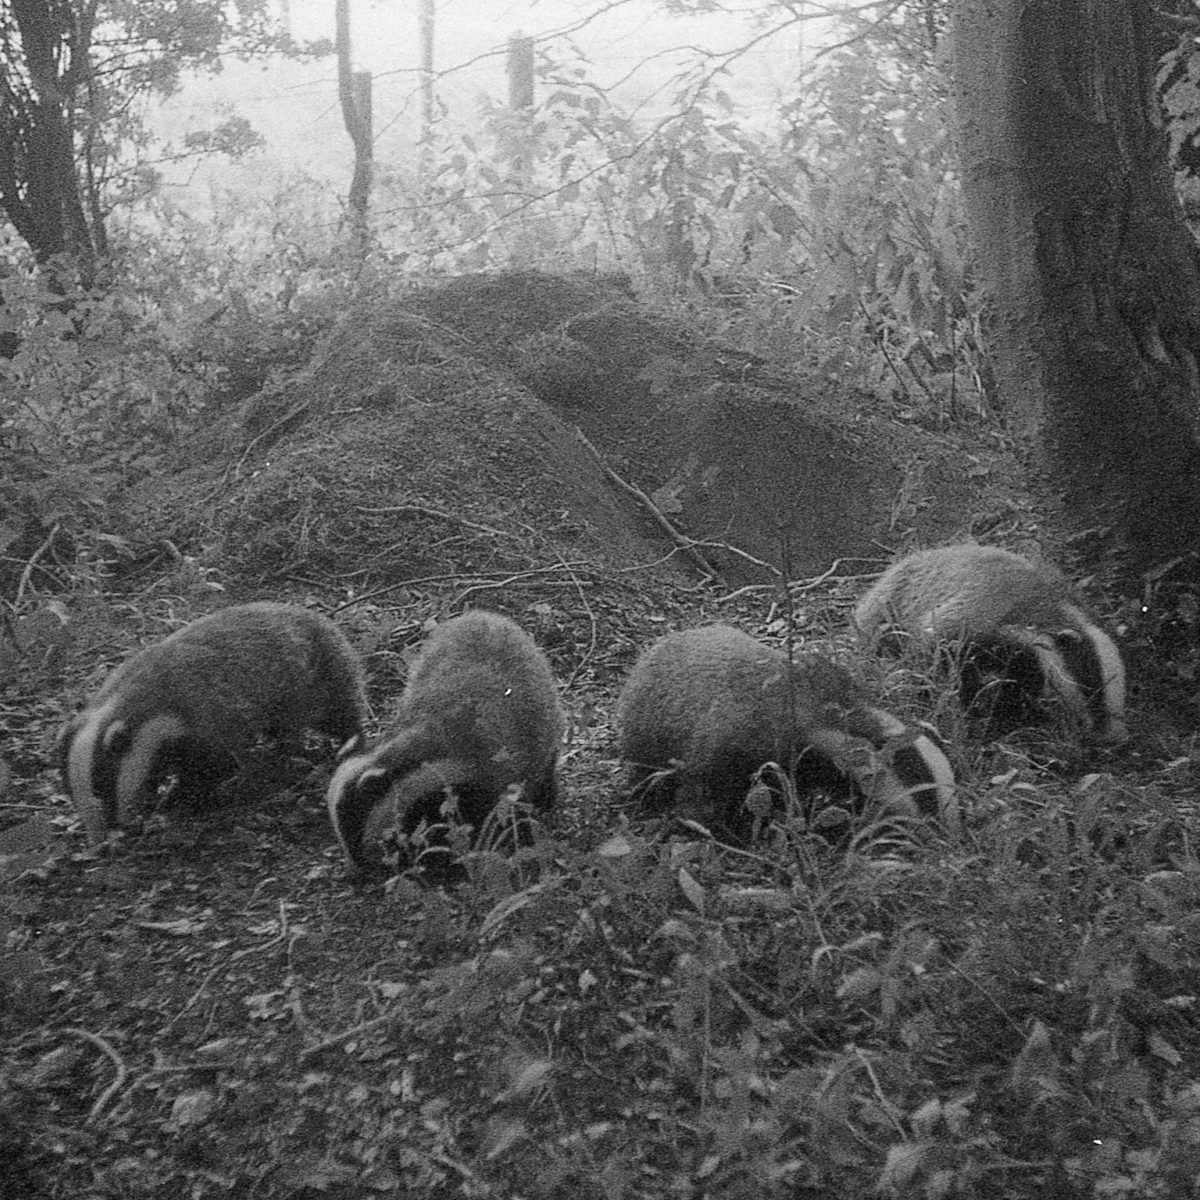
213 687
992 596
960 591
705 699
480 712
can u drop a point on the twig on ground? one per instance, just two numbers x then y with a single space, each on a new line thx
287 416
195 995
23 583
684 543
118 1062
593 631
435 512
738 553
459 576
346 1034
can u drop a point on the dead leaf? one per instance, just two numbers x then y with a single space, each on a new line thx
192 1108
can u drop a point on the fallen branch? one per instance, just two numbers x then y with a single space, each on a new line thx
122 1074
683 543
434 512
758 562
456 576
23 583
346 1035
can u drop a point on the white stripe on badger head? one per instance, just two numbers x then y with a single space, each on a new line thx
352 745
81 759
134 773
944 785
349 775
1112 673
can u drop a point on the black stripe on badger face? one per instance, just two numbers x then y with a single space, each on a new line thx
910 762
107 766
148 753
93 749
913 771
357 786
433 797
1002 681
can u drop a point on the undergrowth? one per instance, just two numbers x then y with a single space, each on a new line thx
1009 1017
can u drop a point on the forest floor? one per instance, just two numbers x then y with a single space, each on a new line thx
211 1008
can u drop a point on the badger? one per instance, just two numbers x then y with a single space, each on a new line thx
1010 619
193 703
479 714
715 704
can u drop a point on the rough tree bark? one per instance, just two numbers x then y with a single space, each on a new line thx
39 192
1094 278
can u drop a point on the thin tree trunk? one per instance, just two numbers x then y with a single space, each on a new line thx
1094 278
427 95
357 124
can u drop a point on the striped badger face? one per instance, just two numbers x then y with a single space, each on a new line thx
374 797
1082 665
1016 629
1006 680
479 716
908 773
195 702
112 765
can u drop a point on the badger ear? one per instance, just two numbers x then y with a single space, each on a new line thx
351 746
373 783
926 729
67 733
117 738
1068 635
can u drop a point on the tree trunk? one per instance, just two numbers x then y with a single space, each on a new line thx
357 122
39 190
1093 276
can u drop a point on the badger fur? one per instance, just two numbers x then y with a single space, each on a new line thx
715 705
194 702
1011 618
479 713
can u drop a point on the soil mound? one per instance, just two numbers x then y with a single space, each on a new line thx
441 432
